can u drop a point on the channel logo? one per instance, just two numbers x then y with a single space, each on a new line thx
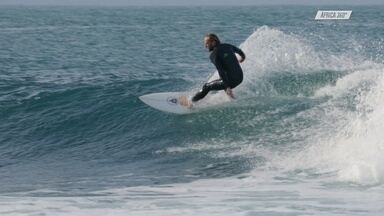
333 15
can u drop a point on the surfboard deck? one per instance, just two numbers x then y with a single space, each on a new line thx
172 102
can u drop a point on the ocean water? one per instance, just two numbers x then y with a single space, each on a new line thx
304 136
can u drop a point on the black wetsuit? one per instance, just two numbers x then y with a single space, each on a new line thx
231 75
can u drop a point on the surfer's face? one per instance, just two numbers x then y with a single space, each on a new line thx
209 43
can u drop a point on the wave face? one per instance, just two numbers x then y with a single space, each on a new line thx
302 137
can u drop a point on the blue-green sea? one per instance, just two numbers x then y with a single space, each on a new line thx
303 137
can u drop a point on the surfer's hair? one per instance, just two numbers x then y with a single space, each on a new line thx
213 36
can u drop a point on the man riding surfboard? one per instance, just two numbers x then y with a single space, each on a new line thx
223 56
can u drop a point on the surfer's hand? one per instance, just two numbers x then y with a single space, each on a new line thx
229 93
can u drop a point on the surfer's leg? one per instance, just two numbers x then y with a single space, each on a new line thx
214 85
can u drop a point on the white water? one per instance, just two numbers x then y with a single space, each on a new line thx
259 193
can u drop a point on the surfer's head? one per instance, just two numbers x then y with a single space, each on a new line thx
211 41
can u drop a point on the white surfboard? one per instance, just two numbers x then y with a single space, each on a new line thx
169 102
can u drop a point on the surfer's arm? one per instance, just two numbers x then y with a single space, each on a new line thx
240 52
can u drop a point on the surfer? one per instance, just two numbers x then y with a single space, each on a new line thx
223 56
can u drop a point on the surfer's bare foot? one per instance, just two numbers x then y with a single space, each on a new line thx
184 101
230 93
